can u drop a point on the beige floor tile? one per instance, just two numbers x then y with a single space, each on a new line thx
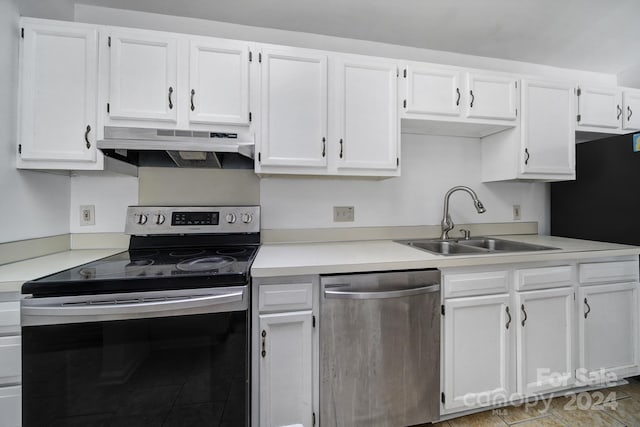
514 414
482 419
548 421
626 410
632 389
572 416
440 424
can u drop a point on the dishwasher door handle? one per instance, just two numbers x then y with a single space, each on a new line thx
342 294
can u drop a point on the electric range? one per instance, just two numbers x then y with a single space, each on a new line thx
155 334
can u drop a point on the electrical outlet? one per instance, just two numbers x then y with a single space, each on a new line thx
87 215
343 213
516 212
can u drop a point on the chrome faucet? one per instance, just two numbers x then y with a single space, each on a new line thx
447 224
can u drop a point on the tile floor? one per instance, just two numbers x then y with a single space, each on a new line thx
613 407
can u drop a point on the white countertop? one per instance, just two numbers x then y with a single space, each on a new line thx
378 255
13 275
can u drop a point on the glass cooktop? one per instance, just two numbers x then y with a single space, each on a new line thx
151 270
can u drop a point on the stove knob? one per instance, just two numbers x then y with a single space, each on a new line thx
142 219
247 218
231 218
160 219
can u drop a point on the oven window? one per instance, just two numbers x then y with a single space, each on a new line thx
171 371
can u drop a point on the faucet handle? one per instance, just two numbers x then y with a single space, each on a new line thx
466 233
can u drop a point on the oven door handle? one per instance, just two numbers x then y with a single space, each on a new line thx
132 307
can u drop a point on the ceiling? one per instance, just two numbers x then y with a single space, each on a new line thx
592 35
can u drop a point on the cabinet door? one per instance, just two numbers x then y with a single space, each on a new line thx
548 131
631 114
11 406
491 97
608 328
143 76
219 82
58 89
599 107
544 322
285 369
476 358
294 109
432 91
367 115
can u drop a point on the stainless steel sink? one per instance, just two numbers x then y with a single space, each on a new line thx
476 246
499 245
444 247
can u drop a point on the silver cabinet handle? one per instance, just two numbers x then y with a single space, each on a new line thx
341 147
170 101
619 112
131 307
380 294
525 315
588 308
509 320
473 98
324 146
630 113
193 93
264 343
458 100
527 156
86 136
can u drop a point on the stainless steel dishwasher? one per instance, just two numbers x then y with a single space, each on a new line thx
380 349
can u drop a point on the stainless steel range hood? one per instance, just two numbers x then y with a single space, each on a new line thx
169 147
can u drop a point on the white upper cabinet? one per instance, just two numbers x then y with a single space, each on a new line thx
432 91
542 146
293 109
631 107
218 82
599 107
143 81
548 131
366 124
298 136
438 100
491 97
58 95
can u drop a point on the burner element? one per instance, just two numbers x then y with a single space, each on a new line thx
231 251
186 253
210 263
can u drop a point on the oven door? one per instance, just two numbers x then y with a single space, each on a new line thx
165 359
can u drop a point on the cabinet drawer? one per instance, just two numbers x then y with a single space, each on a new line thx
292 296
10 360
476 283
9 317
543 277
599 272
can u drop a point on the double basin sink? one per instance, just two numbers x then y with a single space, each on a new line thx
473 246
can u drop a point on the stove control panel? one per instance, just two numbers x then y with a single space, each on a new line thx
149 220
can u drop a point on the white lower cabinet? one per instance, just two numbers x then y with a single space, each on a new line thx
11 406
608 330
476 356
285 369
554 327
544 344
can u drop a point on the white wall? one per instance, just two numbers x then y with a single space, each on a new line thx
430 166
179 24
34 204
630 77
109 194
